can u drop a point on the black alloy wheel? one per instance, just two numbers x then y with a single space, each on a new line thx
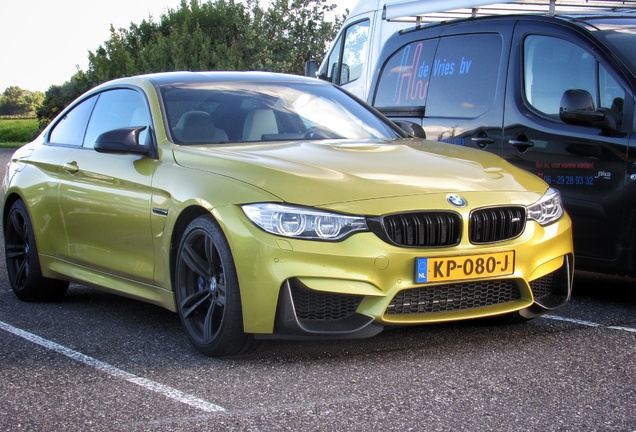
207 291
23 264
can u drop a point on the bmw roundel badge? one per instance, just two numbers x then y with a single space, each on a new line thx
456 200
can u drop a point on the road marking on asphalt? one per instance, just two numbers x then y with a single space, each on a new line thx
589 323
572 320
629 329
154 386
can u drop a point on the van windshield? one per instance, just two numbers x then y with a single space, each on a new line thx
620 34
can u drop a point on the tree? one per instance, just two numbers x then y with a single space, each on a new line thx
212 35
18 102
57 97
291 32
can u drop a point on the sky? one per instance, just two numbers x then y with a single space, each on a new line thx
44 42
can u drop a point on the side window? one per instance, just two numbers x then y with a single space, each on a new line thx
349 54
611 94
405 76
70 129
553 65
464 76
118 109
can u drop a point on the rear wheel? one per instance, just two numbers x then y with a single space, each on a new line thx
207 291
23 264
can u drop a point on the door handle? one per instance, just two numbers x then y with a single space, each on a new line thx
70 167
482 142
521 145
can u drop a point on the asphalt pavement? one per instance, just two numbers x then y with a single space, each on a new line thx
99 362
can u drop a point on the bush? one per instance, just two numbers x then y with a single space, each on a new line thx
18 130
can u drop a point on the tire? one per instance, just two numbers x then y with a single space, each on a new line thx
23 263
207 291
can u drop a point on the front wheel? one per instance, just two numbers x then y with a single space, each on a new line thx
23 263
207 291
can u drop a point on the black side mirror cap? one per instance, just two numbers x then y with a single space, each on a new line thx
411 128
123 140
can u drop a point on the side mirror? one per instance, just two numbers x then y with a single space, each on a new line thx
577 108
311 69
411 128
344 74
124 140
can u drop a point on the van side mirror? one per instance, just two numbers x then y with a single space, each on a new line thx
311 69
577 108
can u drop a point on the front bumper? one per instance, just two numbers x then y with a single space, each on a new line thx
304 313
354 288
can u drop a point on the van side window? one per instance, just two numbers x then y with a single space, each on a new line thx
464 76
553 65
349 54
404 79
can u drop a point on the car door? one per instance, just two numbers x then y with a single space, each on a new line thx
45 171
587 164
105 198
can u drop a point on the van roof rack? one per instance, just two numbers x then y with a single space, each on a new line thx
419 11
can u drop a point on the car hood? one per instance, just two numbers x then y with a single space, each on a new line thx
319 173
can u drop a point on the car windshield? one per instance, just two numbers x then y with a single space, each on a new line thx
221 112
620 34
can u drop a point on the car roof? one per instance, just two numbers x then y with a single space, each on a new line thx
188 77
162 79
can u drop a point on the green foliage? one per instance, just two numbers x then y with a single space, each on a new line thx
18 130
212 35
17 102
58 97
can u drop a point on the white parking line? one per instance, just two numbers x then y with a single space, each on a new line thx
572 320
588 323
156 387
629 329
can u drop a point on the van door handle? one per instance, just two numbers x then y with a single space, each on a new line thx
482 142
521 145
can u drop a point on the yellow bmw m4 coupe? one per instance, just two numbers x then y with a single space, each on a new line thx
260 205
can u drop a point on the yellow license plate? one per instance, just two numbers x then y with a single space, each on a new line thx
464 267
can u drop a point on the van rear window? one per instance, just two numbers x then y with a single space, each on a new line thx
456 79
405 77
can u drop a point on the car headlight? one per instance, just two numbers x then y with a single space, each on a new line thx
548 209
302 222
